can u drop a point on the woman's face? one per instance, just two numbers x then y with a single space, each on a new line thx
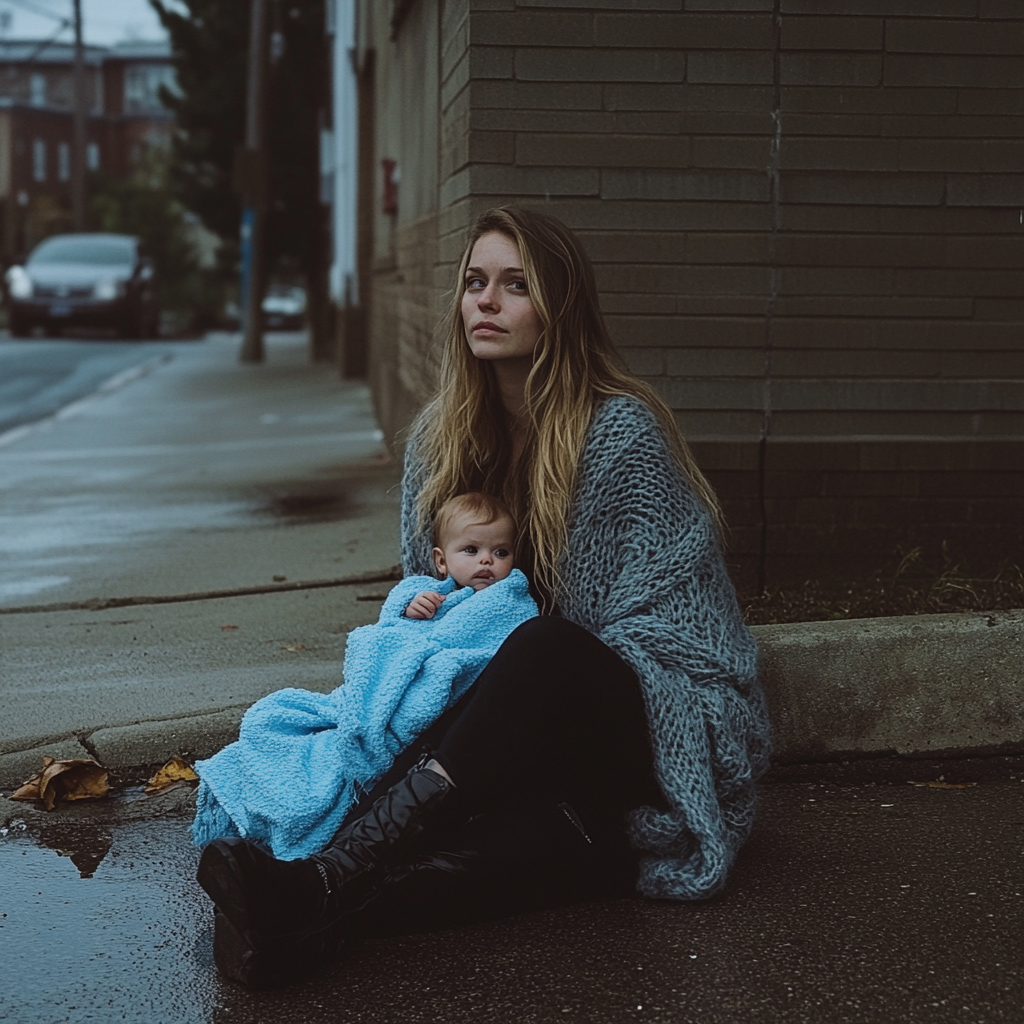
501 322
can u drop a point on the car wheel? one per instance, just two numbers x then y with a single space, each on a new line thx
20 327
132 328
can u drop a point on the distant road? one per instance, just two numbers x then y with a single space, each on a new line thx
38 378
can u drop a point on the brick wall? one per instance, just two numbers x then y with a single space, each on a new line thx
805 220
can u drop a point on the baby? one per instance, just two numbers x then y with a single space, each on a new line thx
400 674
475 538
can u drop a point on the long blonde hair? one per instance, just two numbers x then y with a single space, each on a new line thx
468 440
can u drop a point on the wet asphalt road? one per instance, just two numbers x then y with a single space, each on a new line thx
856 903
39 377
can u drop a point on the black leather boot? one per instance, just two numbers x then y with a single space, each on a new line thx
274 906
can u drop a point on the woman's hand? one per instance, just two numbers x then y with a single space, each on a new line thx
424 605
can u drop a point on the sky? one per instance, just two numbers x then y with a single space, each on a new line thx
103 21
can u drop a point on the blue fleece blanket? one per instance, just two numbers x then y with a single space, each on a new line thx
303 759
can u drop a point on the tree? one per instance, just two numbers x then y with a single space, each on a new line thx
209 110
210 45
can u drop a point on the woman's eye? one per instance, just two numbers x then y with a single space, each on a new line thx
473 283
518 286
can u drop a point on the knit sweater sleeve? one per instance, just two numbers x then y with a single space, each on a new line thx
417 540
644 547
644 572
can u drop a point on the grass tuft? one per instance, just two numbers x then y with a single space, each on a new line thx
911 585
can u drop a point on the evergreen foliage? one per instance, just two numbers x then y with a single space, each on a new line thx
210 42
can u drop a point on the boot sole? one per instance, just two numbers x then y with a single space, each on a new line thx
240 952
268 968
234 957
220 877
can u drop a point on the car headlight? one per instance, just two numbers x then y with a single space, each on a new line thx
107 290
19 284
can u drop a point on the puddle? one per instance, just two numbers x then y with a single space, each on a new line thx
299 509
104 923
85 845
31 586
74 525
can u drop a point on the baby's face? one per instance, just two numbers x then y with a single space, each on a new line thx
476 554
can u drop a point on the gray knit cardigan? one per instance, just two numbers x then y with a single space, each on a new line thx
643 572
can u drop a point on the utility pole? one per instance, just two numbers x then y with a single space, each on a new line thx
251 172
78 147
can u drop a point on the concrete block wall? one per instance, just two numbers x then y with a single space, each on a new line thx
805 221
401 295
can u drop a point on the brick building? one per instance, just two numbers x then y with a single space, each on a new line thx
806 224
37 101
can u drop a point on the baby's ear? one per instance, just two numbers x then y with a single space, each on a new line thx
440 564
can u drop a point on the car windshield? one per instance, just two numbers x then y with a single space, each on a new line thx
83 249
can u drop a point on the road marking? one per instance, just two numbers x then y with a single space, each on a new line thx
107 387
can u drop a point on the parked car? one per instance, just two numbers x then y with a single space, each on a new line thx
284 308
86 280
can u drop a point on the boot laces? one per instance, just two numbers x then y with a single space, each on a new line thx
324 876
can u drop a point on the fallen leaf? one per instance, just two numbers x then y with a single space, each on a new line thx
176 770
294 647
65 780
229 627
944 785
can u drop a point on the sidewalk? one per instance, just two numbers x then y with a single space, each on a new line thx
198 480
200 533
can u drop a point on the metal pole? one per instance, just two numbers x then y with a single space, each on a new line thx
254 214
78 147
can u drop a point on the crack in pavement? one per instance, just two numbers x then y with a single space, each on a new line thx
94 604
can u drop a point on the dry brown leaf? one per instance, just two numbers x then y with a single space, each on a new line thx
944 785
228 627
176 770
65 780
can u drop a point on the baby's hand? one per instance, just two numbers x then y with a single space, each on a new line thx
424 604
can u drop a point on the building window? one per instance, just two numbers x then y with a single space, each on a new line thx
92 156
37 90
64 161
38 160
142 84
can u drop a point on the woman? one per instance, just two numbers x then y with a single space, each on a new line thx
612 742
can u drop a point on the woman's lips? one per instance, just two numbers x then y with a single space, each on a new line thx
487 327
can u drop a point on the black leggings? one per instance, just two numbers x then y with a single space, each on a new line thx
548 750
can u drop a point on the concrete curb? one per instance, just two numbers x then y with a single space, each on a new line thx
131 746
912 686
194 738
909 686
20 765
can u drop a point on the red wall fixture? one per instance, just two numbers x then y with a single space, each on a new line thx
389 195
